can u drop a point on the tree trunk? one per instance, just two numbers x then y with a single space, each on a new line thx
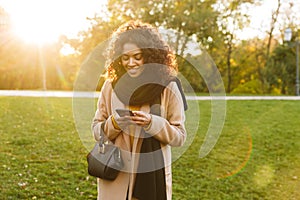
275 15
229 68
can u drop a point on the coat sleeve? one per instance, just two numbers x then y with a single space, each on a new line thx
170 129
103 114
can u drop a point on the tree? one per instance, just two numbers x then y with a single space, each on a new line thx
182 20
231 19
185 17
274 19
281 70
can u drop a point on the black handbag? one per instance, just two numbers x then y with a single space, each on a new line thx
105 160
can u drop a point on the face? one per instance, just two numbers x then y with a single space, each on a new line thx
132 59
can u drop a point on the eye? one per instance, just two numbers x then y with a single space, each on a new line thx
125 57
138 56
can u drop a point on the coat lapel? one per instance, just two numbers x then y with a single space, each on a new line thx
116 103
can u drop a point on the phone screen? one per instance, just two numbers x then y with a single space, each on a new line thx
124 112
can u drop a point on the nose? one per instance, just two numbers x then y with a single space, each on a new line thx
131 62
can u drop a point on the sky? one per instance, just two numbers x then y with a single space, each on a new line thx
45 20
260 17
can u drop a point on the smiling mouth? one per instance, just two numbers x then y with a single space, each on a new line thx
132 70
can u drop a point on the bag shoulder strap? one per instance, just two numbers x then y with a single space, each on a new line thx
103 138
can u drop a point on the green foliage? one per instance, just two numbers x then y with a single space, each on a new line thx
214 26
250 87
186 17
188 70
281 70
256 157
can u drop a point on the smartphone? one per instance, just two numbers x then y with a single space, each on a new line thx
124 112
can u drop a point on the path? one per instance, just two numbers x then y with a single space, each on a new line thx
69 94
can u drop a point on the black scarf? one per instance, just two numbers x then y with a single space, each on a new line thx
150 184
145 88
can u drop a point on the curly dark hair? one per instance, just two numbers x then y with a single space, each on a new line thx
148 39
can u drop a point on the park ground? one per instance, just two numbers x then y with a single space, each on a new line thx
256 156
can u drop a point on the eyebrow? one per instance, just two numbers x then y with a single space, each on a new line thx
125 54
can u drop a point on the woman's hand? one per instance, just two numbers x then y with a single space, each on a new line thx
121 122
141 118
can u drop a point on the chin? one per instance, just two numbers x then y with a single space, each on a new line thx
133 75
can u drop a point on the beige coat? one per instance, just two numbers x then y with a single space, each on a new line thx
168 129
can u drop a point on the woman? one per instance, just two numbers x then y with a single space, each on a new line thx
141 76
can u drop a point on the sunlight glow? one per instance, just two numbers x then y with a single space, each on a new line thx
67 50
264 175
41 22
38 21
246 159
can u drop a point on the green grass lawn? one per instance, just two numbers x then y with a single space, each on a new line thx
256 156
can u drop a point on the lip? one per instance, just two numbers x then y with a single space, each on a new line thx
132 71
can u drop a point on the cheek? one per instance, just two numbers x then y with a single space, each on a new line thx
123 63
141 62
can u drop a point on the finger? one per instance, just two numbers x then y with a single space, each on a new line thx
139 122
138 113
138 119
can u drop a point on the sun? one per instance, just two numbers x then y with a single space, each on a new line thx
44 21
36 28
36 21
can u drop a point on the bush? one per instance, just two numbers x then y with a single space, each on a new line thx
250 87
